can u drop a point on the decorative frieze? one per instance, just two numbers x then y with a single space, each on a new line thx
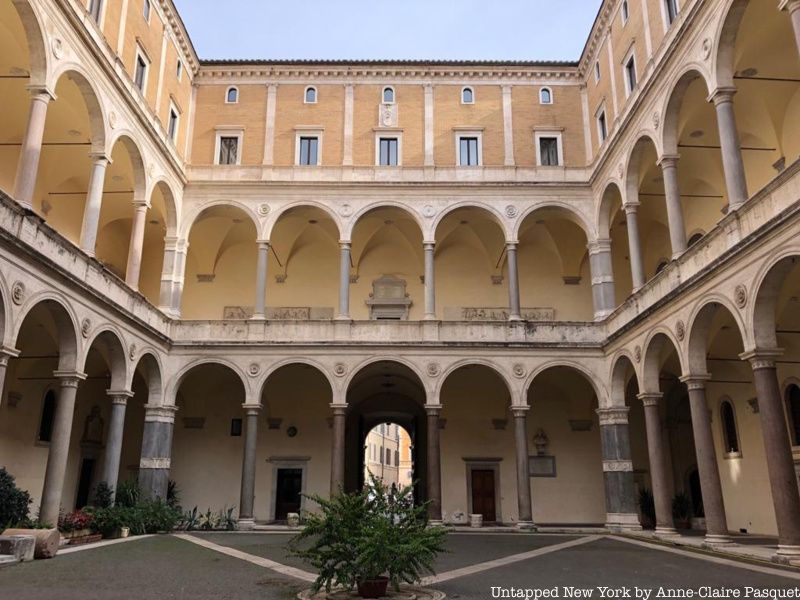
154 463
496 313
617 466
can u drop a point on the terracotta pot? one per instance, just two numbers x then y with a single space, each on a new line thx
373 588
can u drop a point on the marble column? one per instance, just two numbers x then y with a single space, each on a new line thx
31 150
523 471
116 429
677 230
178 277
156 455
344 281
622 511
94 201
732 163
5 355
260 307
707 467
793 8
167 274
656 451
780 466
136 247
602 271
430 293
434 486
634 245
338 447
513 283
58 454
248 493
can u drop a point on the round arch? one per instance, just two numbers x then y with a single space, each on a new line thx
562 209
92 99
175 382
272 221
590 377
128 140
725 42
767 287
672 107
490 211
288 362
400 360
35 38
111 339
66 324
607 200
633 163
170 202
657 340
349 227
185 228
621 365
496 369
699 326
150 363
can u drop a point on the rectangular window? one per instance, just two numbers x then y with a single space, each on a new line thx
95 6
236 427
140 72
672 11
468 152
228 150
388 152
625 13
630 73
602 126
388 457
179 70
396 458
146 10
309 148
597 71
548 151
172 126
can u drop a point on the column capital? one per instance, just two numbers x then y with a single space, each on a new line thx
100 158
520 411
722 95
695 381
119 396
433 410
630 207
160 414
69 378
432 245
345 244
141 204
613 415
789 5
6 353
512 244
251 409
41 93
263 244
650 398
762 358
338 409
668 161
599 246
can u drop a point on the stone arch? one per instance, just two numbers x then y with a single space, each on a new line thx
175 383
607 200
618 380
562 208
657 340
633 164
348 380
725 41
599 389
185 228
37 44
128 140
766 289
266 232
66 325
496 369
170 202
292 360
699 326
112 341
487 209
674 102
92 99
149 361
348 227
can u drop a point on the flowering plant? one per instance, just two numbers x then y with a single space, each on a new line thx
75 521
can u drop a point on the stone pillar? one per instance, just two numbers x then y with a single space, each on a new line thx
94 200
434 464
707 468
178 278
658 463
732 163
513 283
508 127
344 281
337 448
156 457
248 495
136 246
635 246
5 354
58 453
430 292
677 230
260 310
523 472
622 511
31 150
780 467
116 429
167 274
602 270
793 8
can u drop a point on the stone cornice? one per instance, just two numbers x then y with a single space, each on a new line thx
181 34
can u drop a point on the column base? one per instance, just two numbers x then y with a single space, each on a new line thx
623 522
786 554
435 522
514 318
245 524
666 532
527 526
712 540
258 317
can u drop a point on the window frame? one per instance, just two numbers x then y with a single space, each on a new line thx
383 94
388 134
98 13
624 12
630 60
548 133
305 94
141 55
725 437
471 90
306 132
147 9
469 133
669 19
173 108
179 70
549 90
601 120
224 133
597 73
228 90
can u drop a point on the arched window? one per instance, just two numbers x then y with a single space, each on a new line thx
695 238
467 96
388 95
232 95
311 95
48 414
729 434
793 408
545 96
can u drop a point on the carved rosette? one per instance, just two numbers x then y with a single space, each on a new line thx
637 354
253 369
263 209
519 370
428 211
339 369
511 211
680 330
740 296
346 210
86 327
57 46
433 369
705 49
656 119
18 292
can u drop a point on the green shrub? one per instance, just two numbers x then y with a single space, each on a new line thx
148 516
128 493
14 502
103 496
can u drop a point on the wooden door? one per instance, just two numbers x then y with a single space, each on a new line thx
289 486
483 494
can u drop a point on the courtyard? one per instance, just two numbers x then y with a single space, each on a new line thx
477 565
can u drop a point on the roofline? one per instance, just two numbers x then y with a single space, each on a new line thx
390 62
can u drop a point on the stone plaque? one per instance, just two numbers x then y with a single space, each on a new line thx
542 466
496 313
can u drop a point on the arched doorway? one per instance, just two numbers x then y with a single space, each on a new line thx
388 455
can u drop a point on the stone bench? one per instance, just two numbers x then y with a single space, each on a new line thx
21 547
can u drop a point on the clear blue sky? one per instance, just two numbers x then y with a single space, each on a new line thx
399 29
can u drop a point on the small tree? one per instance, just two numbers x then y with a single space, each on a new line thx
14 502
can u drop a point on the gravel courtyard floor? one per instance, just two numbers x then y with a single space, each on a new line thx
254 565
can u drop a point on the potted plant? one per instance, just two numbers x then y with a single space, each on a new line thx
368 540
647 507
680 510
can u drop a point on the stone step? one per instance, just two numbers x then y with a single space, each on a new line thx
7 560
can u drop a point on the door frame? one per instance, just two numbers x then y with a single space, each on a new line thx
484 464
286 462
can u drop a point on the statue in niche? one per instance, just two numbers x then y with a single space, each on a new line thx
93 427
540 440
